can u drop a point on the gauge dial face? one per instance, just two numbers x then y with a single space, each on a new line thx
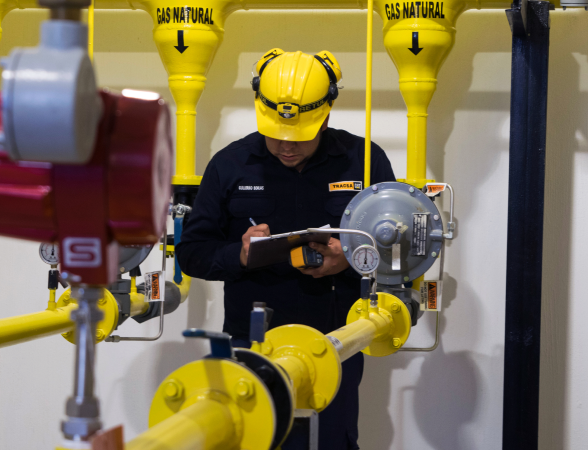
49 253
365 259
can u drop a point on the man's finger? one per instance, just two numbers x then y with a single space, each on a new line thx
263 228
321 248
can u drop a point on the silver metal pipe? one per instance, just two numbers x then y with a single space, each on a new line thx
115 338
344 231
82 409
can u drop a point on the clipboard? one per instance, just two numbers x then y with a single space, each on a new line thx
265 251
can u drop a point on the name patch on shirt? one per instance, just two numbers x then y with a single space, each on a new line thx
346 186
251 188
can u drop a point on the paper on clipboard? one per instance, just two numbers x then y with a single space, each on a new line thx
267 250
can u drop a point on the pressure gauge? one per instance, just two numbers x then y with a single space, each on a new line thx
49 254
365 259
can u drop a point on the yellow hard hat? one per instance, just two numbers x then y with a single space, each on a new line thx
294 93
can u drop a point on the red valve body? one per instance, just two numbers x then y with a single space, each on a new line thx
119 197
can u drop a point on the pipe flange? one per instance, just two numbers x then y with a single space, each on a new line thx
317 353
391 306
106 326
278 385
230 383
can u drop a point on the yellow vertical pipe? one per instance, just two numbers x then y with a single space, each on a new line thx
205 425
91 31
52 305
368 96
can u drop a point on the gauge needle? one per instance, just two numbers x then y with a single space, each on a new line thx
365 260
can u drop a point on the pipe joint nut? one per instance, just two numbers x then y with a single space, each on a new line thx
80 427
88 409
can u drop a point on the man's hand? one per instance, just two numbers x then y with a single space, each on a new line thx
256 231
334 260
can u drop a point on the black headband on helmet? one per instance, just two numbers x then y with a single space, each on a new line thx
332 94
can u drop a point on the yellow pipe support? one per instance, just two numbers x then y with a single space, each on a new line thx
19 329
368 96
91 31
207 424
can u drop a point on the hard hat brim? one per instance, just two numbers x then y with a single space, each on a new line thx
304 128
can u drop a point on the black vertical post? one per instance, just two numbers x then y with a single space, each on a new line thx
528 112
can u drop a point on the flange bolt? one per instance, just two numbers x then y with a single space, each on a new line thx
318 347
395 342
395 307
173 390
245 389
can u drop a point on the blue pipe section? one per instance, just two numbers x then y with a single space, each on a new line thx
178 226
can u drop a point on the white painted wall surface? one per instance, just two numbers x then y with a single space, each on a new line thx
447 400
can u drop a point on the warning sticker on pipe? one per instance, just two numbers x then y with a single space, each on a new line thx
419 234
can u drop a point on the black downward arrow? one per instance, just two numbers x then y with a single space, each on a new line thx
180 47
415 43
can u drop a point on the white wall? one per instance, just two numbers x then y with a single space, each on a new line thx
447 400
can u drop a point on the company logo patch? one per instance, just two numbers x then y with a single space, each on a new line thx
82 252
346 186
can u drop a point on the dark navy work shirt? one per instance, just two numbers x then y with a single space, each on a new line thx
245 180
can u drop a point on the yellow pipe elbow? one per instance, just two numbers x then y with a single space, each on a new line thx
184 287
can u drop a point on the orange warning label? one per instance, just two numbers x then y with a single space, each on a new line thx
155 291
431 295
434 189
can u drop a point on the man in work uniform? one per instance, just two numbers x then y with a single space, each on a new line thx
294 173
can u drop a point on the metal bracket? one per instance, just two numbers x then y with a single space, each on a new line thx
517 18
115 338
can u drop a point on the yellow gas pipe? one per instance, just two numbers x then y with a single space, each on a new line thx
56 319
15 330
418 37
206 424
208 400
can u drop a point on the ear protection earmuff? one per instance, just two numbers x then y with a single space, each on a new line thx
257 80
333 89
